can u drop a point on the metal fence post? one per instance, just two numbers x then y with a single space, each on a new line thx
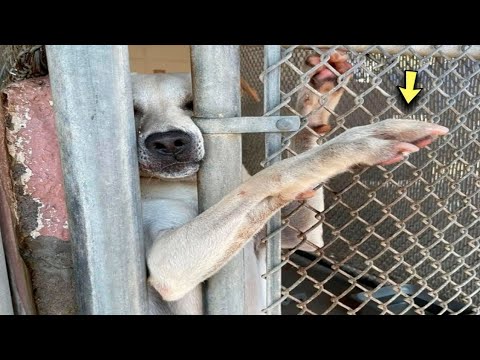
216 88
95 125
6 307
273 143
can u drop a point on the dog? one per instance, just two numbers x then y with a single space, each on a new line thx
185 248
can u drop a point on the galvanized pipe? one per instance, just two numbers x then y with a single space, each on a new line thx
273 143
253 124
6 307
216 89
96 130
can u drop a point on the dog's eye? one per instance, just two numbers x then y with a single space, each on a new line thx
188 105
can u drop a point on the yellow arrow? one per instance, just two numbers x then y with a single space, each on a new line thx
409 92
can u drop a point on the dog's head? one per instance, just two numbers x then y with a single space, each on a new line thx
170 145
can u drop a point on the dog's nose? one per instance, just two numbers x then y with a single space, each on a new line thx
168 143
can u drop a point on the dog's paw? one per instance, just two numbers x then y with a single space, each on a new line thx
386 142
323 78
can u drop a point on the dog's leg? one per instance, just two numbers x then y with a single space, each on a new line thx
302 218
182 258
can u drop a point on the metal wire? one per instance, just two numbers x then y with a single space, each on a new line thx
20 62
401 239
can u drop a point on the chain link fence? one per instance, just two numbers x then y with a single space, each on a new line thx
20 62
400 239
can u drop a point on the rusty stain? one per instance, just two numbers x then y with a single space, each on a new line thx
32 142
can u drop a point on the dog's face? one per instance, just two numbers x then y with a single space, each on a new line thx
170 145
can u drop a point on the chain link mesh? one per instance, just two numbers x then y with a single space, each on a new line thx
20 62
401 239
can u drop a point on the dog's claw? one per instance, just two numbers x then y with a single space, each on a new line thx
439 130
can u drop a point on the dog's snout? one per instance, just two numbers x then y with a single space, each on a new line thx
169 143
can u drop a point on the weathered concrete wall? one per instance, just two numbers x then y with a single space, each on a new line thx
39 195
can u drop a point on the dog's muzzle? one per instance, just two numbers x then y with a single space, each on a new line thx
170 145
171 154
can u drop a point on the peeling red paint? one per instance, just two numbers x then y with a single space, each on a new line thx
36 147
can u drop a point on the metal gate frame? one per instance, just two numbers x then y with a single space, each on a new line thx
216 89
92 99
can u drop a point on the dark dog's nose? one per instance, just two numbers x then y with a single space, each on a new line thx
168 143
